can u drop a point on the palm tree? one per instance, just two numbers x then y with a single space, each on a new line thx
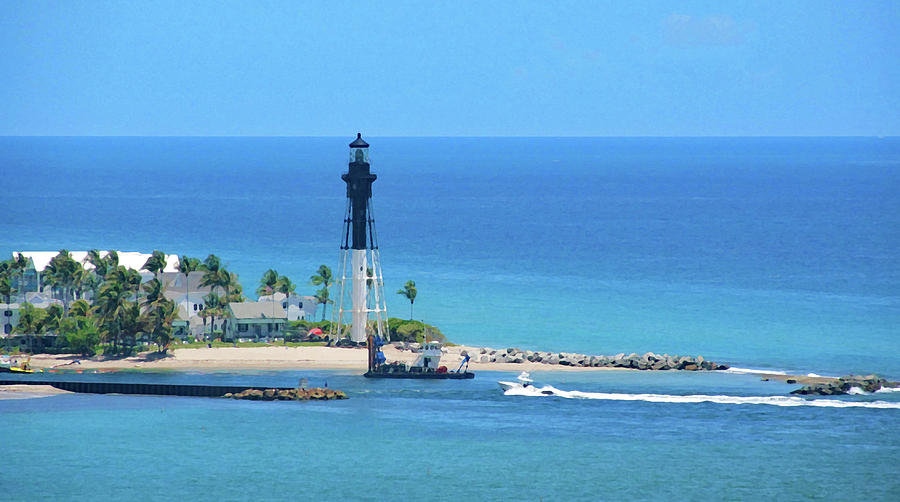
29 323
160 312
62 273
20 263
112 303
99 273
80 308
323 277
212 307
53 314
321 297
286 287
409 292
131 323
186 266
267 283
234 292
156 263
6 289
212 277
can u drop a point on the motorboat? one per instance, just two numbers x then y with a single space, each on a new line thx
524 386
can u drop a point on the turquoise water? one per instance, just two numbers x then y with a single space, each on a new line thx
756 252
450 440
764 252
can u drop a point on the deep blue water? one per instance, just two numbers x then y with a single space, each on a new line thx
764 252
771 253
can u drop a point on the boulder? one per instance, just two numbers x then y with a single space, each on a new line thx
843 385
690 367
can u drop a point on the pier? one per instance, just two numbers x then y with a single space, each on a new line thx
143 388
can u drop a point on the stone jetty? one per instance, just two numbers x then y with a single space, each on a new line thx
313 394
647 361
844 385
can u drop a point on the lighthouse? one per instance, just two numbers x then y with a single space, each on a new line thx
361 304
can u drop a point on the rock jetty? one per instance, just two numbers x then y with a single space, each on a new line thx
844 385
648 361
313 394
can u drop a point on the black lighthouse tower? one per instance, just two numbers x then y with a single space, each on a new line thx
362 286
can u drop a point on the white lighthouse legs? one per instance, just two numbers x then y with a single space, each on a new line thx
360 308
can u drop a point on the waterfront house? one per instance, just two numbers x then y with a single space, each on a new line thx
255 321
9 317
38 261
297 308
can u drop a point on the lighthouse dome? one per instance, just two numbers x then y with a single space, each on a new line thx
359 150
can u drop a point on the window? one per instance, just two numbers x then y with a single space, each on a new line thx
8 313
284 305
301 305
7 328
195 307
242 327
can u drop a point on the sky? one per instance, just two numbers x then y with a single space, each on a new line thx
459 68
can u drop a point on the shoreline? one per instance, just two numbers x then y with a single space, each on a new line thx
277 357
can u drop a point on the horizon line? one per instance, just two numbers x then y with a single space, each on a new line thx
649 136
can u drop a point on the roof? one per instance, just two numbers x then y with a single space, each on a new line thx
128 259
257 310
358 142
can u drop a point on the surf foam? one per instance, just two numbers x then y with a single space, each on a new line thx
745 371
785 401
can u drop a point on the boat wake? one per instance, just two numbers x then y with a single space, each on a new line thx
785 401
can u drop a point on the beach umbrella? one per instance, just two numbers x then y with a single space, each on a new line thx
315 331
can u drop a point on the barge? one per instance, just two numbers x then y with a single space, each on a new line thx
427 365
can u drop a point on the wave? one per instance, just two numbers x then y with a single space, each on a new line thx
887 389
784 401
754 371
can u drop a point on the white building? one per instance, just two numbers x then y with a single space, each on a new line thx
297 308
9 312
255 321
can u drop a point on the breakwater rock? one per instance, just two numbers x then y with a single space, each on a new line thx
844 385
314 394
648 361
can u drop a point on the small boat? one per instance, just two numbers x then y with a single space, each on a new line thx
524 384
7 367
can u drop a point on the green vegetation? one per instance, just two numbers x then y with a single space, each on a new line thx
409 291
402 330
123 310
323 277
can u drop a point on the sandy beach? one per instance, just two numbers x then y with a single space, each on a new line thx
28 391
299 358
277 357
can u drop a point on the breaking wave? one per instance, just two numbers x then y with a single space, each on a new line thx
754 371
785 401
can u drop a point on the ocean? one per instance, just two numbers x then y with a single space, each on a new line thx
761 253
